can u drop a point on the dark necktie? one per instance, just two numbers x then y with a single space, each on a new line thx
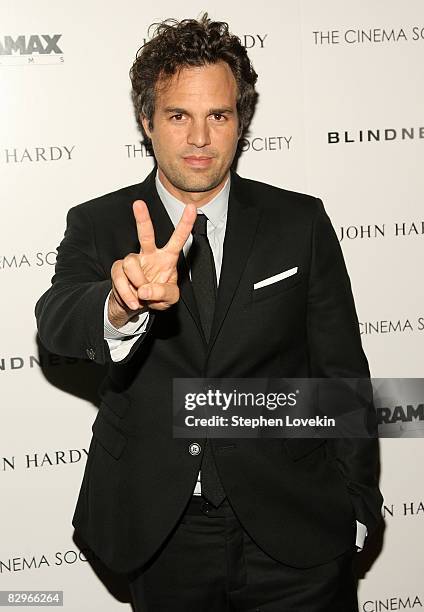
203 279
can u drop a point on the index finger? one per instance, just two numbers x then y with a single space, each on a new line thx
145 231
182 230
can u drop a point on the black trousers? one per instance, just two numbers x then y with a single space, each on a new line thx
210 564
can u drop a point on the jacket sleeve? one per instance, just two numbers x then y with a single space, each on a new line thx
70 313
336 352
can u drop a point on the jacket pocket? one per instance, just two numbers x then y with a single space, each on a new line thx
301 447
277 288
110 438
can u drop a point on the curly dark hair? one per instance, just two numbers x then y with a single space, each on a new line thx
181 44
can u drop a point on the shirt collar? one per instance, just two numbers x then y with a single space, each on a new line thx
215 210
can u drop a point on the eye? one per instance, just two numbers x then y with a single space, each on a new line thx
177 117
218 117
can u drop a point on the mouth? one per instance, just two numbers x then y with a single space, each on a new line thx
198 161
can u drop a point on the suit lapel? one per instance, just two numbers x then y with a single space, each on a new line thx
242 221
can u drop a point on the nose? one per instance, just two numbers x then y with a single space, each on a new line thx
198 134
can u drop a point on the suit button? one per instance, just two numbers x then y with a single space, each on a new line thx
194 448
91 353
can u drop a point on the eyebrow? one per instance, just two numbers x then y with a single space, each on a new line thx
224 110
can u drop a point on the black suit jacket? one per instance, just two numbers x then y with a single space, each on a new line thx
298 498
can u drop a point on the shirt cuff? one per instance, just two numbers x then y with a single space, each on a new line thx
361 534
134 327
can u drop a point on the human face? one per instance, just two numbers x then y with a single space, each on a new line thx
195 131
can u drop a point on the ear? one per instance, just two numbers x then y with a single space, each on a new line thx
145 123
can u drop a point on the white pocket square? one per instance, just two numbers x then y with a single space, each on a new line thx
275 278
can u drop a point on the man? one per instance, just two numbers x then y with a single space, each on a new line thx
163 280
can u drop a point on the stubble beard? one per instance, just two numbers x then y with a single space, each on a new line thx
196 183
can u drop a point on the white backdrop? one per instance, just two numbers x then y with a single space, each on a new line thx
329 73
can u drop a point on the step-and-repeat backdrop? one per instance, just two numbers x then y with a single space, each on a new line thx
340 116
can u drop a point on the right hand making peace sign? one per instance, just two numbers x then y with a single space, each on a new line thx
149 278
